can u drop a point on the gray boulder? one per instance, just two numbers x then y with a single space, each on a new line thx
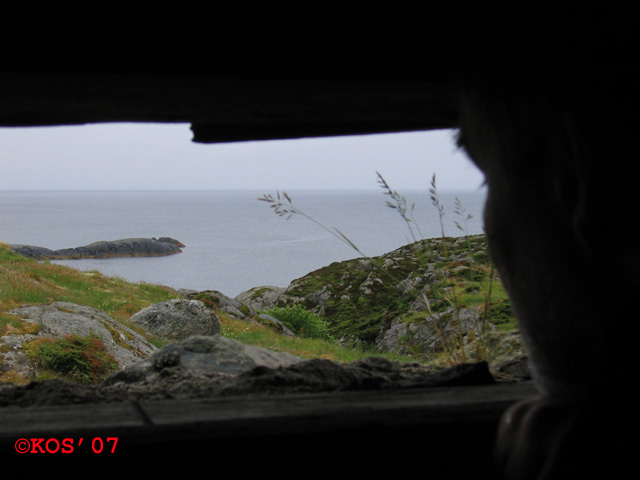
260 298
59 319
220 301
199 358
216 366
178 319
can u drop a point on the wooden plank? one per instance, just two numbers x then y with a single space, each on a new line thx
354 433
59 419
477 400
443 404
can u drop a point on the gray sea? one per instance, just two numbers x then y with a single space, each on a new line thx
233 241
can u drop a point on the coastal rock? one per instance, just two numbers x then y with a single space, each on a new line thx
30 251
59 319
427 333
199 361
178 319
376 301
219 301
260 298
129 247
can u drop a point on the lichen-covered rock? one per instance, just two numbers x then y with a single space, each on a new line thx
178 319
260 298
59 319
220 301
360 298
428 333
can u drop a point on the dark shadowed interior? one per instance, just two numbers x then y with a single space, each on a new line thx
546 117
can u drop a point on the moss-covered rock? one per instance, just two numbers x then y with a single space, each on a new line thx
363 298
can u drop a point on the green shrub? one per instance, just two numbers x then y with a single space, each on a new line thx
301 321
501 315
77 358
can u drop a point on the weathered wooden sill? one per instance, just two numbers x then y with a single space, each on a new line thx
451 429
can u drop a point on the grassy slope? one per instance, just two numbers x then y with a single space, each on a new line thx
27 282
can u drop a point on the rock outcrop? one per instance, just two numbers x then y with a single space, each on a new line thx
261 298
198 358
178 319
221 302
366 300
203 367
426 333
59 319
238 309
404 301
128 247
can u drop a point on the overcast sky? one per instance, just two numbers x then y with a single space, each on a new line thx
162 157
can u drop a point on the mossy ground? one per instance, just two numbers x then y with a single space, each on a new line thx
362 294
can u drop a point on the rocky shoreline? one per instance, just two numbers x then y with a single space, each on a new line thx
128 247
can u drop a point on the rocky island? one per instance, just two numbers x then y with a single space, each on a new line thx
128 247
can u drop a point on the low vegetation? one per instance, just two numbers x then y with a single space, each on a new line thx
25 281
256 334
75 358
302 322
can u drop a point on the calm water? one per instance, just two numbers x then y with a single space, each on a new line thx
233 241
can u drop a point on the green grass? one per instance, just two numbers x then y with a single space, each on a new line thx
302 322
28 282
259 335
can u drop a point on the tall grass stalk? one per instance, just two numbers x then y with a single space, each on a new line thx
435 200
465 216
481 346
288 209
399 204
452 345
